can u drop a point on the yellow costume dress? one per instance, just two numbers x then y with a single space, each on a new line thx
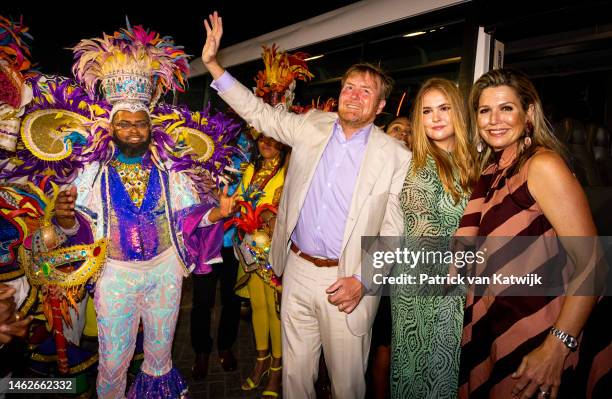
261 286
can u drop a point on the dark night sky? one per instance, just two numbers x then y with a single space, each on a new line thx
56 27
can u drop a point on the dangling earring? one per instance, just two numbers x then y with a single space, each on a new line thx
528 132
479 147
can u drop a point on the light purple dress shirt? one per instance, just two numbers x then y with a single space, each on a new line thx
320 227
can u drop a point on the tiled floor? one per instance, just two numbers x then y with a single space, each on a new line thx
218 384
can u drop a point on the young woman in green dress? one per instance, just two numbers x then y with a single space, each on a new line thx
427 327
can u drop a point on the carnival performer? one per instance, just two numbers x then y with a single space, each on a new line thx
14 96
155 211
263 179
38 113
30 177
261 189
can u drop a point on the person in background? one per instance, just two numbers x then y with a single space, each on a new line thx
11 326
14 288
203 300
11 323
263 179
380 353
260 190
400 129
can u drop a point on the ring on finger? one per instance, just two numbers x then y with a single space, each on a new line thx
544 393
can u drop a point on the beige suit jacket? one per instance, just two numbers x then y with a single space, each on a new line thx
374 208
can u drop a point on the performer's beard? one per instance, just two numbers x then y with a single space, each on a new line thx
132 150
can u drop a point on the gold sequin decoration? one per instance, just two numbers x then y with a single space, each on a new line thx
263 175
134 178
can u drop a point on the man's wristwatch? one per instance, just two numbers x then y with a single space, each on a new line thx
569 341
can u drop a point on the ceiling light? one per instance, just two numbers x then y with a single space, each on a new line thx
315 57
419 33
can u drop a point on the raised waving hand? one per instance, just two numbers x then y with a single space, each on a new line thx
214 32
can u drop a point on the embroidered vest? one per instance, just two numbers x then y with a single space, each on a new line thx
137 233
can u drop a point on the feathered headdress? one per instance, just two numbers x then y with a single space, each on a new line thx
134 67
54 132
328 106
14 93
276 82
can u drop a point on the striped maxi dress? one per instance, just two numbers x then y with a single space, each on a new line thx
499 330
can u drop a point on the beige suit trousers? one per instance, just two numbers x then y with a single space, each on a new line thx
310 322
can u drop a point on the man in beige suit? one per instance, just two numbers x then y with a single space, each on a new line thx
342 183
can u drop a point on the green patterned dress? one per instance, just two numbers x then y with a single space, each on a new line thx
426 329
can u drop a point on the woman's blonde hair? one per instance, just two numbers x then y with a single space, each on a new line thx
460 164
540 131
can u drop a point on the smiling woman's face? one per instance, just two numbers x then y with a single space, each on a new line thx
501 117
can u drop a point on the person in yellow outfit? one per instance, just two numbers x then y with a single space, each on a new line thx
262 183
260 191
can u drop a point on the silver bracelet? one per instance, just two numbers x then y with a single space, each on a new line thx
73 230
570 341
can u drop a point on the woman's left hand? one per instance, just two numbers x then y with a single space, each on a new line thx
540 371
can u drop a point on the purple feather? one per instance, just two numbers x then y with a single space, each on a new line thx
64 95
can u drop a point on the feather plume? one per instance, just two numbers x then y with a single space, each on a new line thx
14 44
131 50
281 70
218 127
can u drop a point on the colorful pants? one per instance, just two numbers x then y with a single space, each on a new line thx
126 293
266 322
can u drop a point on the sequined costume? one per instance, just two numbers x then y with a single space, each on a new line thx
261 189
261 285
15 94
267 183
151 247
53 342
152 208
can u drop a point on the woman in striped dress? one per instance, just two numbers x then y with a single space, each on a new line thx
426 326
508 346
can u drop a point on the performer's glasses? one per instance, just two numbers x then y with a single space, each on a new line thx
125 125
